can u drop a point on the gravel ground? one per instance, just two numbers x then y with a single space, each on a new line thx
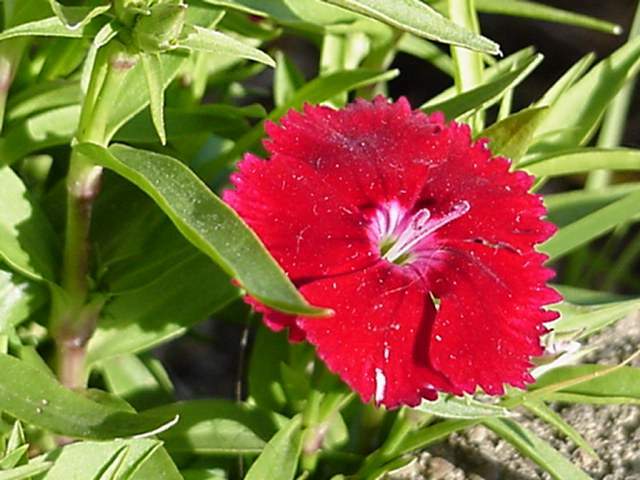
612 430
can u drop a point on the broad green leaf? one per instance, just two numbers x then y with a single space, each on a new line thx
588 319
592 226
19 298
25 472
484 95
569 162
461 408
621 385
317 90
130 378
27 242
573 119
155 84
512 136
120 459
206 40
43 402
76 17
567 207
418 18
531 446
12 459
551 417
184 294
280 456
539 11
47 129
215 427
204 474
47 27
205 221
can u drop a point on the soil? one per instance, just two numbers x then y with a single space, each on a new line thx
612 430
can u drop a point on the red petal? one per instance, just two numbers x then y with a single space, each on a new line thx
372 152
307 227
378 339
490 317
502 211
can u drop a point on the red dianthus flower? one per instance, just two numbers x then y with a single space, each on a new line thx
419 241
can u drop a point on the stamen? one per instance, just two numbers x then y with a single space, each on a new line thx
420 227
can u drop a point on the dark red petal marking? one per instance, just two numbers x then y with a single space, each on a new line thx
378 339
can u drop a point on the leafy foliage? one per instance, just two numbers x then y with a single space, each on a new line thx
85 299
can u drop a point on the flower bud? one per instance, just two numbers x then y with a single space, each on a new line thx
160 30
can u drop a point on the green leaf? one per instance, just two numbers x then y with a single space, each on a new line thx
27 241
461 408
607 385
551 417
569 162
132 379
47 129
538 11
566 81
19 298
206 40
567 207
415 17
184 294
43 402
215 427
287 79
528 444
42 97
76 17
432 434
484 95
158 465
573 119
588 319
155 83
25 472
512 136
592 226
265 386
205 221
427 51
280 456
47 27
121 459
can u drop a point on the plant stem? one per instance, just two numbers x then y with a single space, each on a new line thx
75 312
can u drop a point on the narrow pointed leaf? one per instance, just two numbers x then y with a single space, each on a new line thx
206 221
592 226
539 11
588 319
565 82
280 456
25 472
415 17
484 95
76 17
554 419
584 160
18 299
206 40
47 27
155 83
461 408
528 444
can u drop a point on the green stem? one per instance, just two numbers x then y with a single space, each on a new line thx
615 118
75 314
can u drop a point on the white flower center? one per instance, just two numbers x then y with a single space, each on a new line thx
399 233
